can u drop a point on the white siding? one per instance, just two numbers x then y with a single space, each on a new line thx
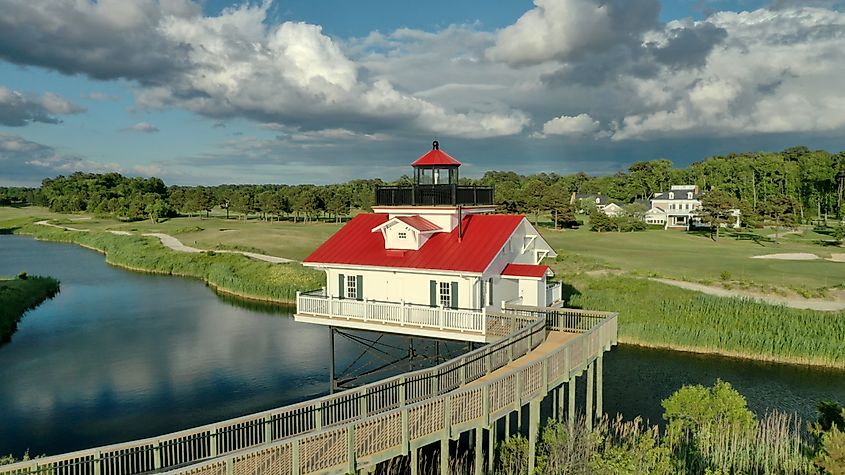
412 287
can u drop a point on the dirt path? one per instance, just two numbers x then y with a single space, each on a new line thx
66 228
793 302
176 245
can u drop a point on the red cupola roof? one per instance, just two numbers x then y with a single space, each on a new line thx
435 157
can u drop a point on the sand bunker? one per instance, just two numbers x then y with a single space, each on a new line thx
795 256
837 258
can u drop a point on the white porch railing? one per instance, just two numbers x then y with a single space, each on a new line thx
441 318
554 292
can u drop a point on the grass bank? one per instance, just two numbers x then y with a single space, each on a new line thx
661 316
227 273
17 295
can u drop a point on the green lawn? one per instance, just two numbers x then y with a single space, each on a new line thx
671 254
282 239
684 256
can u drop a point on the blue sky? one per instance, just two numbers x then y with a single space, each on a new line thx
319 92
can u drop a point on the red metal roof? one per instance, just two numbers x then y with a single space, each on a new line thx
435 157
525 270
419 223
355 244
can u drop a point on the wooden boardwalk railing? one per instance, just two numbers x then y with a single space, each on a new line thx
368 424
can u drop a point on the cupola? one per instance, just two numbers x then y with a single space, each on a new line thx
436 168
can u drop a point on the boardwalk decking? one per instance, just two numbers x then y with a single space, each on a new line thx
359 428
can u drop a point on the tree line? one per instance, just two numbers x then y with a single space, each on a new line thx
794 185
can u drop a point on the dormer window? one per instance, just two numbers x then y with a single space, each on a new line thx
671 195
598 200
403 235
689 195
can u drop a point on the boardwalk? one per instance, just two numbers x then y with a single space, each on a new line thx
358 428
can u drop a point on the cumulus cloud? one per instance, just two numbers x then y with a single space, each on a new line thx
778 71
18 109
604 69
107 39
581 124
571 29
235 64
26 163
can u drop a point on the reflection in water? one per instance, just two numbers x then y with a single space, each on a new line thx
119 355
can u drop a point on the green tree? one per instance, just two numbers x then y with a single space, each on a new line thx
601 222
717 209
693 409
159 209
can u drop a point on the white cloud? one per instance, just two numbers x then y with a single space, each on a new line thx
144 127
569 29
18 109
778 72
26 163
581 124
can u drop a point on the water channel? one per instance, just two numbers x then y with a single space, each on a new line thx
119 355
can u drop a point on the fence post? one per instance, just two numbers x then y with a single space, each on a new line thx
157 455
98 461
268 428
212 442
350 447
441 317
484 321
402 317
296 465
331 306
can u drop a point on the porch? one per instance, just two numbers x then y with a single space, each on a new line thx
403 318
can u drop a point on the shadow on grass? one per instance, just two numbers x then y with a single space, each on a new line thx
567 292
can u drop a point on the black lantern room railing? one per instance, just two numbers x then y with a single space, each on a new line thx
433 195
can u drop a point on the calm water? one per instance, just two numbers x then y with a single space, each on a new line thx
120 355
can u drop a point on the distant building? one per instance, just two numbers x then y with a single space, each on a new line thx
676 208
612 209
679 207
602 203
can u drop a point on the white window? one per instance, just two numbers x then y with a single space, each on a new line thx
403 235
352 286
445 294
671 196
689 195
489 291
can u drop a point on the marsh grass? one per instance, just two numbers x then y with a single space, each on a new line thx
773 446
20 294
655 314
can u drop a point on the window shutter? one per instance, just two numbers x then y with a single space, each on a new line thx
360 287
432 285
454 295
341 286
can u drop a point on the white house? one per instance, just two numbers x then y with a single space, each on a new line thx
602 203
612 209
405 260
675 208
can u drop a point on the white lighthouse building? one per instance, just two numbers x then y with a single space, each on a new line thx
430 260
